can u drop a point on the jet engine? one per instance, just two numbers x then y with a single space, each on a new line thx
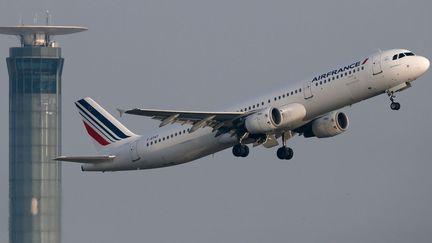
270 119
330 125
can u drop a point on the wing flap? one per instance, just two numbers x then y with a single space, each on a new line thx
86 159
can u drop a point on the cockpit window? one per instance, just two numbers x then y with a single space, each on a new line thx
401 55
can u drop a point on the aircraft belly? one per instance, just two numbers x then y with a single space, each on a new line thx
186 151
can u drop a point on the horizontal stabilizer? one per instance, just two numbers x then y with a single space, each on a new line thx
86 159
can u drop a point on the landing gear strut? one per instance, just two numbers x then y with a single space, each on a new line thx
284 152
240 150
394 105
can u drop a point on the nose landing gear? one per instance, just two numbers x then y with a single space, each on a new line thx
393 105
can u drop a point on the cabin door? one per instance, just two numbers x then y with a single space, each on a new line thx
376 64
307 90
134 151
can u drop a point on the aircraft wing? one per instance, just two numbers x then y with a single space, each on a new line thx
86 159
198 119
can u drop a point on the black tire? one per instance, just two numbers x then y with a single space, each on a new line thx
289 153
398 106
285 153
281 153
395 106
244 151
237 150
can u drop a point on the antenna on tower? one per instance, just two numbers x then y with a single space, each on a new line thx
47 18
21 21
35 19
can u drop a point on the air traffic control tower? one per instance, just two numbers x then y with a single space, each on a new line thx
35 70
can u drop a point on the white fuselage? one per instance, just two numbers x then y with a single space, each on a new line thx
326 92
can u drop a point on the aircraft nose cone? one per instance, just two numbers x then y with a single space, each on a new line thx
422 65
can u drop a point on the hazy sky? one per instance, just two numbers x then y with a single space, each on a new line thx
370 184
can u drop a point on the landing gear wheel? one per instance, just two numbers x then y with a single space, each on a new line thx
245 151
395 106
285 153
240 150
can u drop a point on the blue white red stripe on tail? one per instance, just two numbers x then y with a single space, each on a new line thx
101 125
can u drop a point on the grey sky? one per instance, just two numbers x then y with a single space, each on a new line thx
370 184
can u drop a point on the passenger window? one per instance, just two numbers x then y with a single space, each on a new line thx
337 76
279 97
316 84
353 70
269 101
253 106
362 68
151 143
262 103
292 92
333 78
163 138
349 72
299 90
296 91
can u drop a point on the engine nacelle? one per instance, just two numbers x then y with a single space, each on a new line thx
330 125
292 115
270 119
263 121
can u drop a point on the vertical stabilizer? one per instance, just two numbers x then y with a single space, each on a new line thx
102 127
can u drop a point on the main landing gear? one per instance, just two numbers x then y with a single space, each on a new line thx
284 152
394 105
240 150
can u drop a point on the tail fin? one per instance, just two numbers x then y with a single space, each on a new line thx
101 125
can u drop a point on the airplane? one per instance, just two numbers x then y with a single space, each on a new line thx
308 108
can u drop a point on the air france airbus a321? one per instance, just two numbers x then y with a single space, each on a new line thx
307 108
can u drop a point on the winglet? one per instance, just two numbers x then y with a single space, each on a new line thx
121 111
